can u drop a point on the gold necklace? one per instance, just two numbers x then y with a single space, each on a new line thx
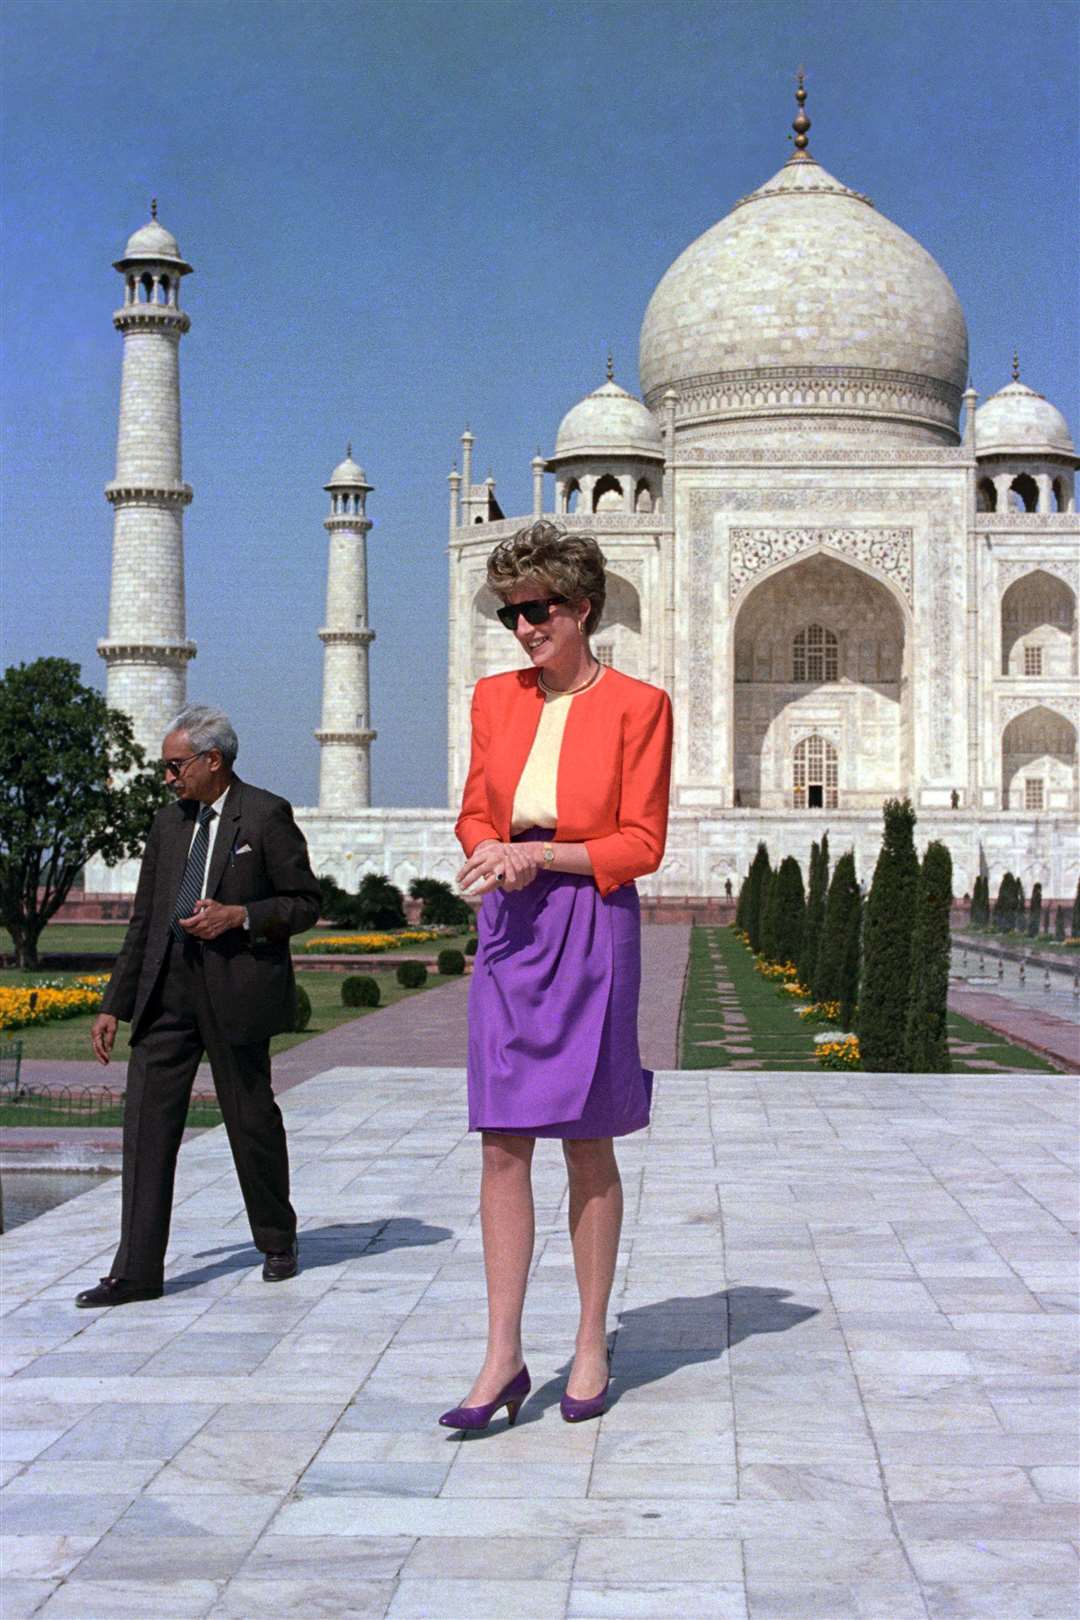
570 691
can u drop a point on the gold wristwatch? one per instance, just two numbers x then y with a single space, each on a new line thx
548 854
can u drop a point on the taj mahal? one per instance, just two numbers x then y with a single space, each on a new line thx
854 580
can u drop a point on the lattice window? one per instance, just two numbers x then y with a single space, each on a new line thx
1033 793
603 652
1033 660
815 655
815 778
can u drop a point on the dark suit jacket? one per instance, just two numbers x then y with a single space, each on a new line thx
260 861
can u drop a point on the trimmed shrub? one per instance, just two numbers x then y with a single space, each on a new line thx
789 911
980 902
451 962
360 990
411 975
767 917
886 970
740 905
472 946
1059 922
926 1044
843 898
1021 907
816 898
1075 929
302 1015
851 963
759 872
1004 918
1034 920
379 903
440 906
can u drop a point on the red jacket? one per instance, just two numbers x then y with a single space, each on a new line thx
614 770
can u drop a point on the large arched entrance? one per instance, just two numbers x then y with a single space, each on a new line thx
821 693
1039 763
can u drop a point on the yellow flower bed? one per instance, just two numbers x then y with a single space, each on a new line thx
46 1003
843 1054
821 1012
368 944
776 970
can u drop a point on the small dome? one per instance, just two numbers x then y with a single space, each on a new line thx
348 473
153 243
1018 421
609 422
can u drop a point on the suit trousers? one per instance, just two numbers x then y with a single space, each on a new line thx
178 1027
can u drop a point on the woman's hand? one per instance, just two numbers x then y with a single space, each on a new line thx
499 866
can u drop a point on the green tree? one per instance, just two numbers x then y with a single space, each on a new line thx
851 967
886 968
980 902
759 870
75 785
843 899
1074 929
1059 922
789 911
1020 911
379 903
1004 918
926 1044
1034 922
441 907
767 916
816 898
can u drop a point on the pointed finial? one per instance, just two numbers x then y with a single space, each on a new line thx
1016 366
348 451
153 208
610 366
801 123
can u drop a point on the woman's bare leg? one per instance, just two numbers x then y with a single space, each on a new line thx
596 1209
508 1225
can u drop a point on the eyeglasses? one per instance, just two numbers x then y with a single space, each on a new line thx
535 612
177 767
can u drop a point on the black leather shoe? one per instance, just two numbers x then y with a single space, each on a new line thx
280 1267
116 1291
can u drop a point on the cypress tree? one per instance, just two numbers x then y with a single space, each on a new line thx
1075 928
1020 913
1059 922
789 906
843 899
980 902
1005 905
926 1045
851 966
886 973
1035 912
752 914
815 912
767 916
740 904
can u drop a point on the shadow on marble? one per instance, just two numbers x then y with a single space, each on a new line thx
319 1246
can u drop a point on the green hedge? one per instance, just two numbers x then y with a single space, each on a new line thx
302 1017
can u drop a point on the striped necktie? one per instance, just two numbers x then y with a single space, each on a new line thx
191 884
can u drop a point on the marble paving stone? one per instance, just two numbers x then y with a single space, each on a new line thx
21 1599
102 1600
851 1285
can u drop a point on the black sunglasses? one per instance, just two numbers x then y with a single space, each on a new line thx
538 611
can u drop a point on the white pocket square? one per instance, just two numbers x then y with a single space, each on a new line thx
245 849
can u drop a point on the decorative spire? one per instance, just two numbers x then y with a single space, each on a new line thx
153 208
1016 366
348 451
801 123
610 366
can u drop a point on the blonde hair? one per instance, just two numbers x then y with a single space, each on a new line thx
570 565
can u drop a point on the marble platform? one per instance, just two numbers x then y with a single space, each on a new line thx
844 1336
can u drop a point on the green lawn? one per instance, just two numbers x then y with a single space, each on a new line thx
70 1038
992 1047
1018 941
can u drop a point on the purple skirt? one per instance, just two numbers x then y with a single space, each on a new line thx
553 1007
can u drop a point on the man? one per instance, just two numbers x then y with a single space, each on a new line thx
205 967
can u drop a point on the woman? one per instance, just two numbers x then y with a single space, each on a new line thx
564 806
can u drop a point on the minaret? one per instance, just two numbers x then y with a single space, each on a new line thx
146 650
345 736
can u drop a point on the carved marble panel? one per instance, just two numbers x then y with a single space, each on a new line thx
887 551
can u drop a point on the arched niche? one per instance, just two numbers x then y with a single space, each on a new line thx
608 494
985 496
1023 494
858 705
617 639
1038 762
1038 627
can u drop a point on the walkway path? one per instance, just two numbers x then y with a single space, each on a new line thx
1038 1009
839 1392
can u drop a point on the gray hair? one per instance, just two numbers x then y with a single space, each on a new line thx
207 728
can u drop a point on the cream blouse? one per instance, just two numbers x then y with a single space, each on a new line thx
534 800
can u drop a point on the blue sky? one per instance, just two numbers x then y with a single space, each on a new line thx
405 218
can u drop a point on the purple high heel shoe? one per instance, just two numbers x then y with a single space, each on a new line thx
478 1417
575 1411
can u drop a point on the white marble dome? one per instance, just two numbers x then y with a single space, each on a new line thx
804 301
1018 421
152 241
608 422
348 473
